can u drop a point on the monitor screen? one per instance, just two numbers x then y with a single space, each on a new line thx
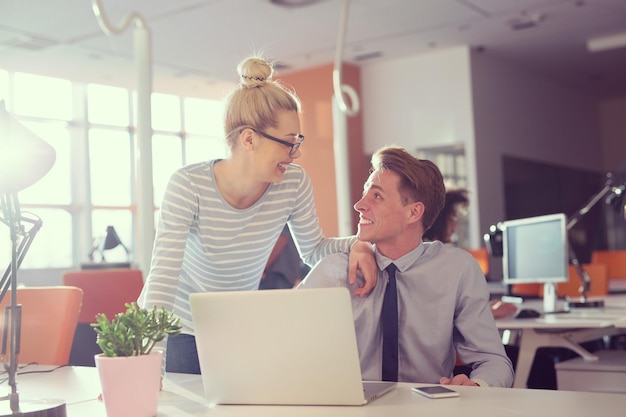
535 250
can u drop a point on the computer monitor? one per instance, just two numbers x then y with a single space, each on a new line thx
535 250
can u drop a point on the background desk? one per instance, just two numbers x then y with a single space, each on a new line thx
182 397
564 330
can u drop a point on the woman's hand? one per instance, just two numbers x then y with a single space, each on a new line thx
362 258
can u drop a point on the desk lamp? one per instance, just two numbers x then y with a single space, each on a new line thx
613 194
24 160
111 240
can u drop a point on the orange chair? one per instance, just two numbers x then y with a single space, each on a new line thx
49 319
105 291
615 261
534 290
599 282
482 257
597 274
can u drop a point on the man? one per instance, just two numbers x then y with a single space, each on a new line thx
442 296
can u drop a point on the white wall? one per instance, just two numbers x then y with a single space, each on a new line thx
420 102
423 100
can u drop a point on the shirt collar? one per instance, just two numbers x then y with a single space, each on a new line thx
402 263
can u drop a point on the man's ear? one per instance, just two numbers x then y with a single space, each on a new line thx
416 212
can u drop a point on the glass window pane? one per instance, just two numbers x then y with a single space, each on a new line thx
52 245
201 148
4 87
56 186
204 116
40 96
167 156
107 105
165 112
121 220
110 163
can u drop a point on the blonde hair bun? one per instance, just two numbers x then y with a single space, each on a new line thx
254 72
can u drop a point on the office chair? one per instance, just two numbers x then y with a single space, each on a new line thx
599 282
482 257
49 319
104 291
615 261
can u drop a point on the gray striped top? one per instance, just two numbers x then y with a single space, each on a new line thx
204 244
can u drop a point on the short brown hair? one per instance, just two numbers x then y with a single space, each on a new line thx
420 179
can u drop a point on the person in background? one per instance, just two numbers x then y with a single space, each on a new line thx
445 225
220 219
442 296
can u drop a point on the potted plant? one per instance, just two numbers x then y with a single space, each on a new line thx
129 368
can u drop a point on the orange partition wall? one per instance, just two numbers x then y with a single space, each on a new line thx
315 89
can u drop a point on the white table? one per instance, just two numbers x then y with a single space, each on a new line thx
564 330
182 397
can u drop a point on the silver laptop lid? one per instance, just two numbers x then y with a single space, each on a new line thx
278 347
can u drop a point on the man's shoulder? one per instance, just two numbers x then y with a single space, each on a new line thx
330 271
442 249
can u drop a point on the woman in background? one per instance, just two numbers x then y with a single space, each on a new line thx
220 219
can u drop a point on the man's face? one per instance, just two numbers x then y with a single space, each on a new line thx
383 217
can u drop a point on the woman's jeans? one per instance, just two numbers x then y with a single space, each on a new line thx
182 354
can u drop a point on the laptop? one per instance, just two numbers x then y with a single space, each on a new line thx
280 347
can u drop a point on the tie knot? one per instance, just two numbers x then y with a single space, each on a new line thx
391 270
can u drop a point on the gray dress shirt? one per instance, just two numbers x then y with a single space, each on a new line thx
443 303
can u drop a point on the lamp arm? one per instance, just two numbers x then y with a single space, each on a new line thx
583 276
21 251
572 220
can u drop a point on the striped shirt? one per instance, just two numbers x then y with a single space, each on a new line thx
204 244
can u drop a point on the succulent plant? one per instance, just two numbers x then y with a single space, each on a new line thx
135 331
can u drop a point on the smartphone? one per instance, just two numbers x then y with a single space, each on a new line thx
435 391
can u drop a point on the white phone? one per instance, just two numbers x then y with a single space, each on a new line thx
435 391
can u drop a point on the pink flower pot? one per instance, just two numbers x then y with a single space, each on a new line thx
130 385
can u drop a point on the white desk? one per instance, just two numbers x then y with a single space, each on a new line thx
182 397
564 330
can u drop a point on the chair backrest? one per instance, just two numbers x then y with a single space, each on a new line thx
599 282
615 261
49 317
105 290
534 290
482 257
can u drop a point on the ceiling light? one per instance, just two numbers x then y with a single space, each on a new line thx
604 43
293 3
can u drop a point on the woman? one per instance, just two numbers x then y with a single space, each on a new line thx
220 219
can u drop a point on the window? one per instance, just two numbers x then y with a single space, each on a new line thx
92 183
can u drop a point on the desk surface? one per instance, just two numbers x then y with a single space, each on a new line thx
182 396
612 314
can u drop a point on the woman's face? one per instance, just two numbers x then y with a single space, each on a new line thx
273 157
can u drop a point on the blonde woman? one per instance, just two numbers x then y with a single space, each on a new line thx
220 219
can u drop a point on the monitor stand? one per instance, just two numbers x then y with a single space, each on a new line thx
549 297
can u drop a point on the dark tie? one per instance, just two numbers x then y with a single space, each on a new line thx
390 327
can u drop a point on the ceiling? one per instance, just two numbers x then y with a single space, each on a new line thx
196 44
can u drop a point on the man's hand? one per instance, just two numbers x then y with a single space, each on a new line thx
362 258
460 379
